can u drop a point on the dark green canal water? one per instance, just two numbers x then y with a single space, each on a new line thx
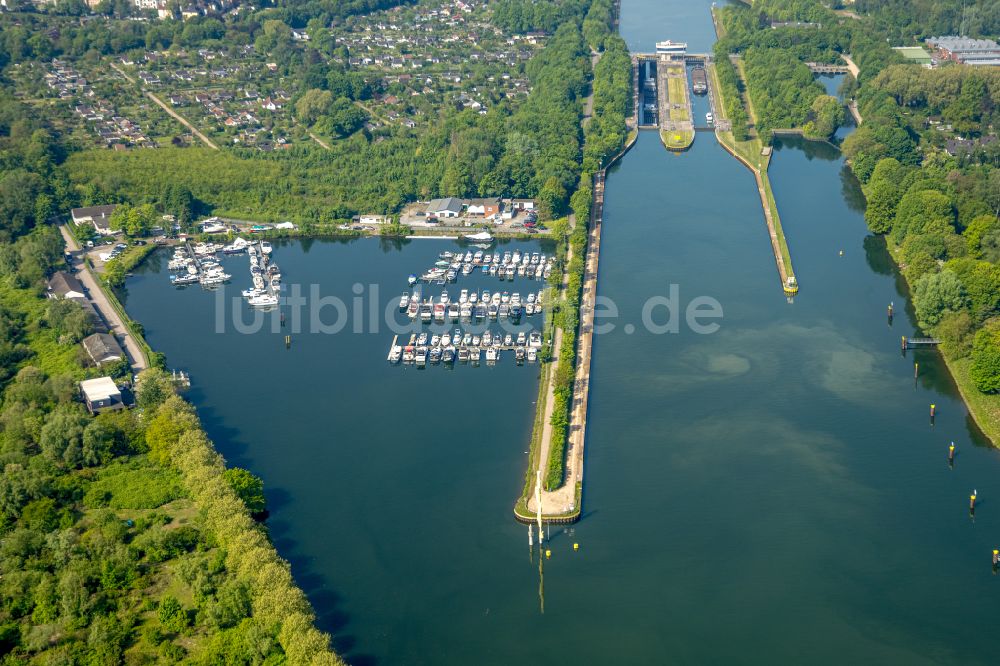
773 492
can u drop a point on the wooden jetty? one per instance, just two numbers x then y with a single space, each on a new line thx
194 256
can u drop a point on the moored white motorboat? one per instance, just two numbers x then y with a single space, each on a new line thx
482 237
263 300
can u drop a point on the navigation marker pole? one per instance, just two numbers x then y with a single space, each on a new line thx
538 505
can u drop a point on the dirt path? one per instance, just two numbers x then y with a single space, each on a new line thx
173 114
855 70
122 72
183 121
319 141
853 108
563 499
102 304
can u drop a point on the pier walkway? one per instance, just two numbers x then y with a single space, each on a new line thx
564 504
561 504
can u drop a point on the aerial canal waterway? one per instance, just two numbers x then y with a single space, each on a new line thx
773 492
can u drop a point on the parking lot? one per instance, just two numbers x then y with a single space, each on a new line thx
524 222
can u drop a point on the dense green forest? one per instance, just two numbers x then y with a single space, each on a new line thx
905 19
782 90
780 85
521 16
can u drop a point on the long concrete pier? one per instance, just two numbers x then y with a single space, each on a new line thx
564 504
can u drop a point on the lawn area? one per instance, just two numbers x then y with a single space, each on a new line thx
677 94
677 139
746 97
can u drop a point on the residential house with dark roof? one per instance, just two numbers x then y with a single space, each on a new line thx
99 216
103 348
64 285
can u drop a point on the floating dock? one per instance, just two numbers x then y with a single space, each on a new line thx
414 353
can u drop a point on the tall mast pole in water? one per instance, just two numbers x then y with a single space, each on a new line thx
538 505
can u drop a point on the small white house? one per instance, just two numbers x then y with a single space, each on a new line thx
99 216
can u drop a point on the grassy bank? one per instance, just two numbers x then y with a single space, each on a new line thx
983 407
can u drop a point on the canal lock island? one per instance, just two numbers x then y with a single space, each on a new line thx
213 459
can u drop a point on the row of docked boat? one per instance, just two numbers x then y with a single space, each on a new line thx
265 274
471 305
465 347
190 265
506 265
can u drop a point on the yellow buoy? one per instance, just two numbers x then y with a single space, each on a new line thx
841 253
576 546
548 553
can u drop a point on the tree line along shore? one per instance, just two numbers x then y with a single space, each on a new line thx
926 155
